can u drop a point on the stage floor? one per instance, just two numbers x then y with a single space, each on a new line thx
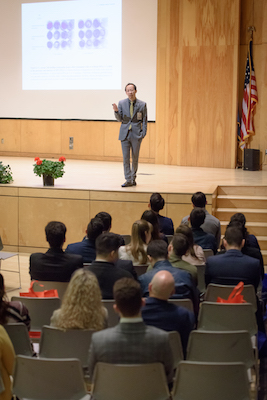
108 176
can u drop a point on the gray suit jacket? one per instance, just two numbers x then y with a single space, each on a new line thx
131 343
138 121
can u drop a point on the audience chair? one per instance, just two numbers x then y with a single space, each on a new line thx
201 285
140 269
127 239
203 380
71 343
20 339
130 382
176 346
169 238
186 303
39 379
223 291
227 317
40 310
208 253
113 317
41 286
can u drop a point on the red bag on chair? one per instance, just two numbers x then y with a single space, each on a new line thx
45 293
235 296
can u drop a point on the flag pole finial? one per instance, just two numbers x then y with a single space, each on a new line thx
251 29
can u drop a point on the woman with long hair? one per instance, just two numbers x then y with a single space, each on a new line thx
136 249
81 305
195 255
152 217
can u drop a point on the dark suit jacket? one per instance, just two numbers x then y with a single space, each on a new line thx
54 265
107 274
127 265
131 343
169 317
232 267
86 248
205 240
165 225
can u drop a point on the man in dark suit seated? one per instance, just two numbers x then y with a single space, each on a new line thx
86 248
203 239
55 264
107 273
233 266
163 314
131 341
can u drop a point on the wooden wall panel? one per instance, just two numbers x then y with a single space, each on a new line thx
10 133
40 137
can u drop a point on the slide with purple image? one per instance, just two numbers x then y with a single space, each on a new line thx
71 45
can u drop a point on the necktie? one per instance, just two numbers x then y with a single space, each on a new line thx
131 113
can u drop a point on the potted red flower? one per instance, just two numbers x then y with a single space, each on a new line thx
50 170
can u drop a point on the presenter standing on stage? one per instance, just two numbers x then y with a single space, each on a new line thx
132 113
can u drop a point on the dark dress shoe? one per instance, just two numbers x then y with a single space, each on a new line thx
127 184
134 183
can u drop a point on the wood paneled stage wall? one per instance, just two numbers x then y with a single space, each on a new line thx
198 74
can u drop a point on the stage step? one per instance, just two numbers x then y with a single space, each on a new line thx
241 201
242 190
252 215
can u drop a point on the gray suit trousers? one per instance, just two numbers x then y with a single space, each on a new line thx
130 143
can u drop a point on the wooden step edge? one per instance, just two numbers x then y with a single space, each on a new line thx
240 197
259 224
243 210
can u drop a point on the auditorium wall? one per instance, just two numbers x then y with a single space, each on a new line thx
201 52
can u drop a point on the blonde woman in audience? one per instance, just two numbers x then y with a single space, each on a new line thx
195 254
7 360
136 249
81 306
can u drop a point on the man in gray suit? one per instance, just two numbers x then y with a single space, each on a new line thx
131 341
132 113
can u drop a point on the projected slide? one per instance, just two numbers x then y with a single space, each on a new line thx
71 45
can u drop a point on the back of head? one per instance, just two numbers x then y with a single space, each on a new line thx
197 217
162 285
3 304
94 228
187 231
238 225
151 216
81 306
234 236
55 233
128 296
156 202
157 249
180 244
199 199
239 217
139 229
106 243
106 219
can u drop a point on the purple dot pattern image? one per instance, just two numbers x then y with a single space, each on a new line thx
60 34
91 33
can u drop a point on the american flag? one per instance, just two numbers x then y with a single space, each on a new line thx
250 99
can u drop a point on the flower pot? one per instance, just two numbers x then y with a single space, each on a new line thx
48 180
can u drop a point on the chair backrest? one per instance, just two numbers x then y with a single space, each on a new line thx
176 346
226 346
71 343
41 286
113 317
202 381
140 269
130 382
208 253
1 244
127 239
227 317
20 339
169 238
40 309
223 291
50 379
201 278
186 303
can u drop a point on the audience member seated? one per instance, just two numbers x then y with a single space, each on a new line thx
233 266
12 311
131 341
211 224
178 247
163 314
55 264
157 252
251 240
7 361
81 306
104 268
86 248
136 249
107 221
156 204
195 254
151 216
203 239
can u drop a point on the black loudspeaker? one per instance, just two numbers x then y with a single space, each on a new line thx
251 160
